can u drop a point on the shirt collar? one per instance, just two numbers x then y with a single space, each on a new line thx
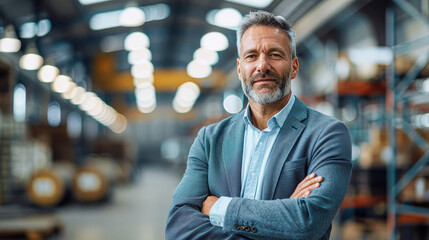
278 119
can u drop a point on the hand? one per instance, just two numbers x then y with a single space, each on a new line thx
305 186
208 204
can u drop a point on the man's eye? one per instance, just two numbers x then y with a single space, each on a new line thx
275 55
251 56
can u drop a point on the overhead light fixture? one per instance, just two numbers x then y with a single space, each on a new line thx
156 12
48 73
135 41
77 95
253 3
105 20
138 55
198 69
132 17
9 43
31 60
19 102
144 69
227 18
186 97
88 2
43 27
62 84
54 114
215 41
68 94
138 82
232 104
209 56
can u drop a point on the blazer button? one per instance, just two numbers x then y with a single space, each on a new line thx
247 228
253 229
242 227
236 226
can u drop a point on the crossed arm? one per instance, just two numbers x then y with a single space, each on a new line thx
302 190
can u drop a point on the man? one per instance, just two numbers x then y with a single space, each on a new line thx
245 177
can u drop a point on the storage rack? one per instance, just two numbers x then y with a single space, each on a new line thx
398 119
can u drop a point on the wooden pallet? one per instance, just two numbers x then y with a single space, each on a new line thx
34 227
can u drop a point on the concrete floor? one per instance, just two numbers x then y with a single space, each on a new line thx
137 211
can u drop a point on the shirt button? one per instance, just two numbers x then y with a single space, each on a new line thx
236 226
253 174
242 227
253 229
247 228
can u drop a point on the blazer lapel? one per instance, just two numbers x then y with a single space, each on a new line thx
288 135
232 153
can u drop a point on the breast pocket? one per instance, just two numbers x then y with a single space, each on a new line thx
292 174
295 164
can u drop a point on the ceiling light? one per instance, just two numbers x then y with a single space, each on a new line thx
185 97
105 20
54 114
132 17
253 3
48 73
31 60
370 55
9 43
77 95
226 18
68 94
138 82
215 41
28 30
156 12
209 56
198 69
137 55
180 109
62 84
232 104
44 27
88 101
136 41
142 70
88 2
91 102
19 102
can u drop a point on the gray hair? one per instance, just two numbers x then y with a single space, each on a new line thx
266 19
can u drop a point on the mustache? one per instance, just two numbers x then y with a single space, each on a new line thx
272 75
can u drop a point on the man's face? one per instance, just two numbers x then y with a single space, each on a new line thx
265 68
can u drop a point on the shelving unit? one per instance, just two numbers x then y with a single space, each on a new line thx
398 110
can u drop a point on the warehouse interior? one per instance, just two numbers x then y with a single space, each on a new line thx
100 101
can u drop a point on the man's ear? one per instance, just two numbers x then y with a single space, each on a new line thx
295 68
238 69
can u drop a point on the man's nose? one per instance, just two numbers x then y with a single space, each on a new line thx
263 63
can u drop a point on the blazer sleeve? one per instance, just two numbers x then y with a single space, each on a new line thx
302 218
185 220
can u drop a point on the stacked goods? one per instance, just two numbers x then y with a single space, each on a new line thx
93 181
377 152
5 162
50 186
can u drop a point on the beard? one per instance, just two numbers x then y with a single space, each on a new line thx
276 93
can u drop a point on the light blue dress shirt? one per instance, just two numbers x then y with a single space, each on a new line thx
256 152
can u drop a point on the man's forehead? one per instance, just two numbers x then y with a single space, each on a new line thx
259 33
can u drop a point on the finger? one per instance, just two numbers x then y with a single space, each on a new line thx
311 182
307 178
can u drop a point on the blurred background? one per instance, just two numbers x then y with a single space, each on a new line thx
100 101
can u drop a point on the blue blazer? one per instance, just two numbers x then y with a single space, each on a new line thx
308 142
